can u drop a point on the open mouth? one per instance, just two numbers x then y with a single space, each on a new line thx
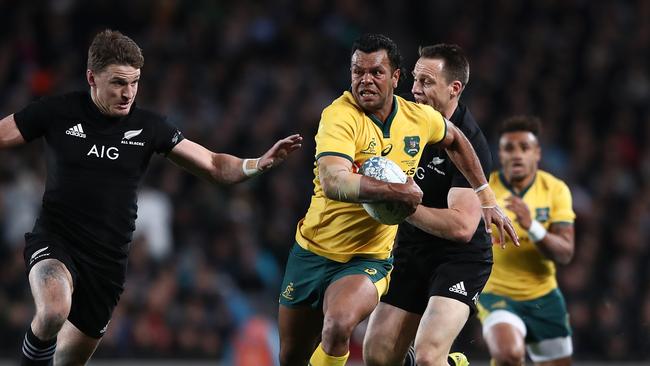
367 94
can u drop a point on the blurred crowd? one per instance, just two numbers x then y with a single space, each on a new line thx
206 262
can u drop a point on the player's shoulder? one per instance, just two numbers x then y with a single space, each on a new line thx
65 101
147 116
549 180
464 120
411 107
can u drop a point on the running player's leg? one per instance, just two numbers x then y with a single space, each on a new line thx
348 301
389 335
51 285
441 323
504 334
73 346
300 329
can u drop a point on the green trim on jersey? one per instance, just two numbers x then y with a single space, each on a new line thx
385 126
505 183
333 153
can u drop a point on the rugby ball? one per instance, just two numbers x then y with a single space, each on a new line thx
385 170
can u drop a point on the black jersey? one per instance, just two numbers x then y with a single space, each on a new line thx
94 166
436 174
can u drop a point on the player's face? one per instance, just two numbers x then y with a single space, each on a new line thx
373 80
430 85
519 154
114 89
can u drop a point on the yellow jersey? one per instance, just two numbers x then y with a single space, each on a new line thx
524 273
341 230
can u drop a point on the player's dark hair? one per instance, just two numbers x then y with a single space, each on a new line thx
370 42
113 48
521 123
456 66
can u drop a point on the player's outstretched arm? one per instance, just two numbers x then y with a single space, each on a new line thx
9 133
223 168
341 184
461 152
457 223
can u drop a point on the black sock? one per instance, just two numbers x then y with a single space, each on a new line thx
37 352
410 357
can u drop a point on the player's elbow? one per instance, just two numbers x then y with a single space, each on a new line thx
462 234
566 257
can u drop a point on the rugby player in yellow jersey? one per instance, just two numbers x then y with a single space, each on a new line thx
521 307
340 263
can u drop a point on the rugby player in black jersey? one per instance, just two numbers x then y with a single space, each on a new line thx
98 146
443 254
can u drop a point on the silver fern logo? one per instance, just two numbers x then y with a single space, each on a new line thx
131 134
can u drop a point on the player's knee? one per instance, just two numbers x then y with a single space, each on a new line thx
509 355
425 356
337 328
376 352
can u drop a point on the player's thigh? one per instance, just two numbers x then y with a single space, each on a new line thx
350 299
73 346
441 323
389 334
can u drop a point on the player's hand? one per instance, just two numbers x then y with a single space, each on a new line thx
409 193
278 152
519 207
493 214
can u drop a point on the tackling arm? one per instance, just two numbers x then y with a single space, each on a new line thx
228 169
457 223
9 134
461 152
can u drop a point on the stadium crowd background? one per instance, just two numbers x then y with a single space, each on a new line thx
206 263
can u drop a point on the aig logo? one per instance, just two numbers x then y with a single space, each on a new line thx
104 152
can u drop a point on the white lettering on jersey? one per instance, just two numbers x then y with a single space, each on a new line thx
110 152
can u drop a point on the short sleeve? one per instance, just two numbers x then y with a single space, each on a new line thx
336 134
480 145
437 125
33 120
167 137
562 204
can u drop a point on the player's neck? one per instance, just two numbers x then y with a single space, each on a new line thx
102 109
520 185
450 109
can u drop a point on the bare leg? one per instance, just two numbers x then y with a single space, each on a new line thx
348 301
506 345
441 323
299 333
389 335
74 347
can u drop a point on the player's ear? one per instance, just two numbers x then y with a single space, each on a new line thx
90 77
396 75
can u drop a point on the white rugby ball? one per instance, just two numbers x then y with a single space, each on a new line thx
385 170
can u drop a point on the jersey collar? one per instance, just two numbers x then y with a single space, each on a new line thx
505 183
385 126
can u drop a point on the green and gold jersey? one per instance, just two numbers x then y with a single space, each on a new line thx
340 230
524 273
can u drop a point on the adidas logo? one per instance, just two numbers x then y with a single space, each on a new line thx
77 131
459 288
